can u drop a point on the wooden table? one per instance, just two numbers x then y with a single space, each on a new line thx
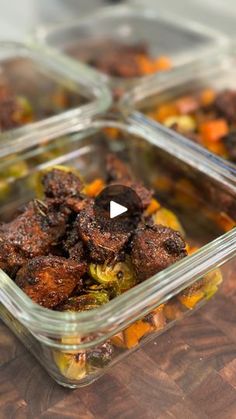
187 373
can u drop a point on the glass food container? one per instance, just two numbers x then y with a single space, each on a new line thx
161 35
40 92
206 77
78 348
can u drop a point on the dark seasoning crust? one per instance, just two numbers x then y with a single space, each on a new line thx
48 248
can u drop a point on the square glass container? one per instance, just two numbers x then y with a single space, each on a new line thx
163 35
40 92
72 346
215 72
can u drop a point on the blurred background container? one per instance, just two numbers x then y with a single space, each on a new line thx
18 18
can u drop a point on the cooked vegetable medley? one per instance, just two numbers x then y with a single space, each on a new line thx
207 117
59 255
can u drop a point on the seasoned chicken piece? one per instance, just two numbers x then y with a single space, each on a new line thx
116 169
102 243
61 184
50 280
154 249
11 259
40 226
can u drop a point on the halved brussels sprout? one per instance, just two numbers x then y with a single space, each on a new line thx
89 301
72 366
167 218
120 277
99 357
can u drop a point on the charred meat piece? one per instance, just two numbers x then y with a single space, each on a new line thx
74 246
39 227
11 259
61 184
145 195
102 243
225 104
154 249
50 280
116 169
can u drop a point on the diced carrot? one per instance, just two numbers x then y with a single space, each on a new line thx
118 340
112 132
135 332
153 207
162 63
216 147
207 97
94 188
186 193
187 104
165 111
225 222
214 130
191 301
146 66
164 183
191 249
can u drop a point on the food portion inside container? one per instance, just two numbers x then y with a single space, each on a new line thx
120 59
199 104
127 43
29 93
207 117
69 256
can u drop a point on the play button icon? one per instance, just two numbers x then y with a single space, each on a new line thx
116 209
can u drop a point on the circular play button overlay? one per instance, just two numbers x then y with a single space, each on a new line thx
118 207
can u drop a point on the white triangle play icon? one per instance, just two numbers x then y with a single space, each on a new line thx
116 209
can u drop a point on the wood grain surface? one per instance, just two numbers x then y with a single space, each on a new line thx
189 372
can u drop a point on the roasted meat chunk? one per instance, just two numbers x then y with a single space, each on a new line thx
11 259
61 184
154 249
38 228
103 243
116 169
50 280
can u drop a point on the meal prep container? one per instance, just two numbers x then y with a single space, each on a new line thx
64 341
217 71
164 34
57 94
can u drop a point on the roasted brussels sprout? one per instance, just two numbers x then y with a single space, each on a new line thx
120 277
99 357
167 218
72 366
89 301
